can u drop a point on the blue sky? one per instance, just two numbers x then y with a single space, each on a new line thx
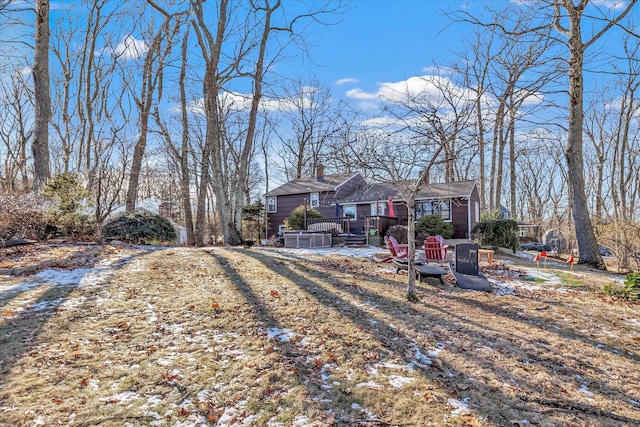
382 41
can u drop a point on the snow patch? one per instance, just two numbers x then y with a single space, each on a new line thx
461 407
122 397
284 335
397 381
584 389
301 421
370 384
421 360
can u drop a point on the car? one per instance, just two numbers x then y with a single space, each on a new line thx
535 246
604 251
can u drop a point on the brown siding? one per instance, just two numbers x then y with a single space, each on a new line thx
286 205
459 218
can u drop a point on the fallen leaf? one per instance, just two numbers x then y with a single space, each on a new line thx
214 414
183 412
84 382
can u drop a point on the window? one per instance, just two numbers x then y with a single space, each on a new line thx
272 204
379 208
442 208
349 211
314 200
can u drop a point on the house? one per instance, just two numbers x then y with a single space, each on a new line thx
455 202
360 207
320 192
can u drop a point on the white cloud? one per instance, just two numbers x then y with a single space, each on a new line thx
534 98
348 80
438 70
427 88
610 4
130 48
235 101
360 94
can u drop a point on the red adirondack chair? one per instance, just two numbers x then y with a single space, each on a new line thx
435 249
397 250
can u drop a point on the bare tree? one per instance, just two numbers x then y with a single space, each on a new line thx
42 96
405 162
625 148
109 174
569 21
568 18
152 74
440 111
16 132
180 153
311 119
252 60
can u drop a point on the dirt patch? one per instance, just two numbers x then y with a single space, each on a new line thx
60 255
274 337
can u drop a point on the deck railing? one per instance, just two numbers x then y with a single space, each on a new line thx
341 225
378 223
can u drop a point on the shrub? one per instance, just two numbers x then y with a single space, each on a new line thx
66 193
399 232
22 217
295 221
140 228
433 225
498 233
630 290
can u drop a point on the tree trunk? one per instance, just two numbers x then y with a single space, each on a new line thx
585 236
185 189
40 144
411 240
136 164
512 161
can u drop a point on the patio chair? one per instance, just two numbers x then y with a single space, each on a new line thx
397 250
435 250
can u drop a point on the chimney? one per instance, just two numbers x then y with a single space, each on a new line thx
320 172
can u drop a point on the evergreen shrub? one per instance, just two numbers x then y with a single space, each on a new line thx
140 228
433 225
498 233
295 221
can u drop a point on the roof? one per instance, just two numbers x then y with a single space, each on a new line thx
449 190
310 185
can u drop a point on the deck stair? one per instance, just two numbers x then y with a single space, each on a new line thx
355 240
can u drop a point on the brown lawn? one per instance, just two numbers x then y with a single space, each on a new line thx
258 337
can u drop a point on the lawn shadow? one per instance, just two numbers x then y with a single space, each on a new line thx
291 356
20 334
473 330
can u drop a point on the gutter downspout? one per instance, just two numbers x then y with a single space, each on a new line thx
469 218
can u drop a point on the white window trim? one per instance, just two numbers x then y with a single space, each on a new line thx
344 208
316 197
275 204
378 207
